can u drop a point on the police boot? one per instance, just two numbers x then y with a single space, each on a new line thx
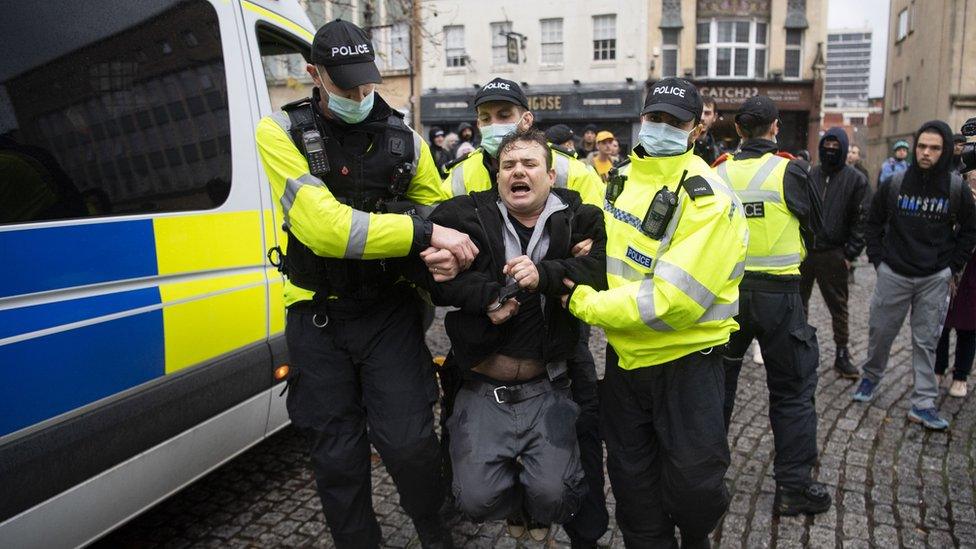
432 534
842 363
810 500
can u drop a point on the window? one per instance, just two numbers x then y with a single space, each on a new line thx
902 24
911 17
454 46
794 53
283 59
552 41
731 49
392 44
91 152
896 97
669 52
499 43
604 37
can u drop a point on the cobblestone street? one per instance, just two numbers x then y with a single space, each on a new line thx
893 483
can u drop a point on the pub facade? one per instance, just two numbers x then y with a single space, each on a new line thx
592 62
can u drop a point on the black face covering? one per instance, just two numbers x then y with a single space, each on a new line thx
831 158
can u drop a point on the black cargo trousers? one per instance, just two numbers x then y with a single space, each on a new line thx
775 316
667 451
367 370
592 518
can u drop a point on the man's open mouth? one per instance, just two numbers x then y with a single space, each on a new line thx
520 189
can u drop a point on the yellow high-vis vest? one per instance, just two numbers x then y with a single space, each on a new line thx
775 245
470 175
670 297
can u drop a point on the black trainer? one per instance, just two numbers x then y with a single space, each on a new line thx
810 500
843 364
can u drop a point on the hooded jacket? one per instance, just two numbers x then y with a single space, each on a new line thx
914 233
843 190
567 221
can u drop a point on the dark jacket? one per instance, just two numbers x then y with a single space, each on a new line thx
801 198
473 336
707 149
914 233
843 190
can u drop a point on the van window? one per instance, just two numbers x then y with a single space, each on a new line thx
284 59
122 110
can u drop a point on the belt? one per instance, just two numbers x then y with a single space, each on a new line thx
516 393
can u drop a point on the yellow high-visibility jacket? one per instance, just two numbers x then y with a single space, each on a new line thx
775 244
328 227
673 296
471 175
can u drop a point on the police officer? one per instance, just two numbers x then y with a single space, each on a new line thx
336 163
782 210
501 107
676 242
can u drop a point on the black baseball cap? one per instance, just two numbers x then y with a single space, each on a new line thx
560 133
958 138
675 96
500 89
346 53
756 111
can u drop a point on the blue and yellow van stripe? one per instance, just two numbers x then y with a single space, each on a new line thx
92 309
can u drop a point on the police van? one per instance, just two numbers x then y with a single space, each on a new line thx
141 323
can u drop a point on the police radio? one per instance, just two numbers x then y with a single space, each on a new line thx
615 184
661 210
318 162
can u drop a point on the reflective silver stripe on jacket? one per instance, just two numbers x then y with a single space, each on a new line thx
561 164
457 180
720 311
738 270
747 196
763 172
358 231
645 307
753 192
417 145
291 191
282 119
687 284
619 267
784 260
723 172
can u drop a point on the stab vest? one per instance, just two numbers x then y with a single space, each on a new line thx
371 182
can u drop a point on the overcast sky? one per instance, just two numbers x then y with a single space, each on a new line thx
873 14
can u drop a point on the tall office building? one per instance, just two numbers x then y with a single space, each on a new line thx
848 68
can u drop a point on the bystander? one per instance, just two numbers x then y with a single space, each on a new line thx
920 234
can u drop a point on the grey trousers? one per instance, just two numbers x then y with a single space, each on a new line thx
928 299
509 455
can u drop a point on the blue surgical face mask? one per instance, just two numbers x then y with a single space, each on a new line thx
660 139
349 110
491 137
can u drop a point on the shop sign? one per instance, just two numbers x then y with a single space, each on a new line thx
731 96
545 102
